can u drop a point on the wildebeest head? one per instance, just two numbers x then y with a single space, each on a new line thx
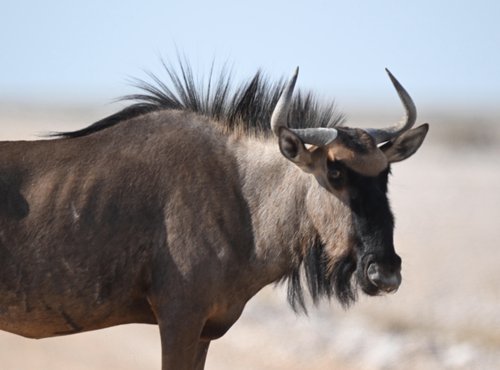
353 166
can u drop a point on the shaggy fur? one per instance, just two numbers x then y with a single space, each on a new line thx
321 280
246 108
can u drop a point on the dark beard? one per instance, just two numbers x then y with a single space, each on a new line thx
323 278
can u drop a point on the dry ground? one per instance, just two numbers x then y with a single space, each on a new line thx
446 314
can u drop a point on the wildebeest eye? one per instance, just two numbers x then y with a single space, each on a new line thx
334 174
334 170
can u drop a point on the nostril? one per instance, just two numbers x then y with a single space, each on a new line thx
373 271
386 281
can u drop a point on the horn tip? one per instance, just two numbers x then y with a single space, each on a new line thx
394 80
391 76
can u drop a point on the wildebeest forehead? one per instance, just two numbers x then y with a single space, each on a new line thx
357 150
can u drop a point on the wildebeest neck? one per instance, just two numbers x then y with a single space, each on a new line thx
296 223
275 192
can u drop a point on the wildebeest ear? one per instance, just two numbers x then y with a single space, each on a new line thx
405 144
292 148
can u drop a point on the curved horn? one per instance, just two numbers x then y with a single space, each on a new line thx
320 136
279 117
382 135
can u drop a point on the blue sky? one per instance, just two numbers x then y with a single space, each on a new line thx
444 52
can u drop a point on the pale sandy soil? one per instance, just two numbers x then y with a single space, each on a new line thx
446 314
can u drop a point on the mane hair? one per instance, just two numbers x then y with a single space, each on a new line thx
246 108
322 279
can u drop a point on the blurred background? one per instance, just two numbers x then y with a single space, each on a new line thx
63 64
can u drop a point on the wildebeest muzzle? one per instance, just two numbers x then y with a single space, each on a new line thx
379 275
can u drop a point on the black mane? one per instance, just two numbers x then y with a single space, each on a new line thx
322 279
248 106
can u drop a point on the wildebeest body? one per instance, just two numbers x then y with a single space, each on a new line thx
176 211
105 211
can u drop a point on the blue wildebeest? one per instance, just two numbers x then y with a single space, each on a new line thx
178 209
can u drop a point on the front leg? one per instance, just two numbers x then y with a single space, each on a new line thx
180 341
201 356
179 346
180 329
